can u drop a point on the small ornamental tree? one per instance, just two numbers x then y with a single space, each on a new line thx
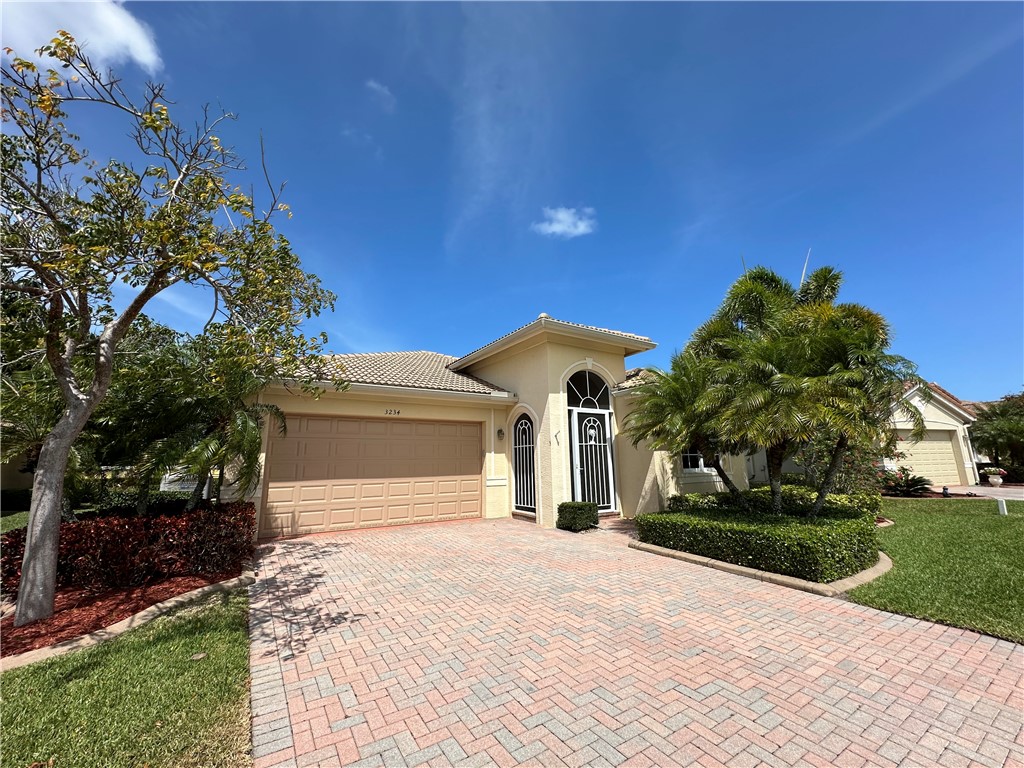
73 229
999 430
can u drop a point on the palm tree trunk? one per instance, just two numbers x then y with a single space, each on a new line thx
197 492
776 455
830 474
716 462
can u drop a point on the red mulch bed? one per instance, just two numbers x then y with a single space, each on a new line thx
78 612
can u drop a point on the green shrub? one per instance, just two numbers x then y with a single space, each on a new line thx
837 543
797 501
160 503
576 515
820 549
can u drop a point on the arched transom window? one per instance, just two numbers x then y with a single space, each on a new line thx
586 389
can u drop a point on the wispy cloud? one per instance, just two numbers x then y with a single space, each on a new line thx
109 34
383 95
360 138
954 71
566 223
505 107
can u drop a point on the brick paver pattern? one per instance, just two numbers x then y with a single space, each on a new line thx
496 642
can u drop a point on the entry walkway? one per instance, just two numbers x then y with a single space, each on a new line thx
497 643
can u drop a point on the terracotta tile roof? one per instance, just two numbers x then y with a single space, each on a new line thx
419 370
545 318
942 391
634 378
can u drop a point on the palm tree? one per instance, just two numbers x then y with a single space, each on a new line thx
786 364
668 414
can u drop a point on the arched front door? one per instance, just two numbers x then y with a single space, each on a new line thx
593 477
523 464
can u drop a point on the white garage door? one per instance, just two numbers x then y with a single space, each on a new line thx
330 474
933 457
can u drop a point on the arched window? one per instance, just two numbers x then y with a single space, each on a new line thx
586 389
523 464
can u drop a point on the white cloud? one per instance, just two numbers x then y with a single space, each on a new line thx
566 223
383 94
108 33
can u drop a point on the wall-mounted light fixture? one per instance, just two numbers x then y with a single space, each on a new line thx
501 433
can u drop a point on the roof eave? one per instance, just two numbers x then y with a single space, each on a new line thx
385 390
629 345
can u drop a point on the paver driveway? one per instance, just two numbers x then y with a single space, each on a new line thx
494 642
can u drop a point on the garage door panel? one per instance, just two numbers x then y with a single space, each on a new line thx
933 457
334 473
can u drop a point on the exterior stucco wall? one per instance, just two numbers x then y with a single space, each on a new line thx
11 476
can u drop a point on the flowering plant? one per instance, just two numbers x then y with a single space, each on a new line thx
993 471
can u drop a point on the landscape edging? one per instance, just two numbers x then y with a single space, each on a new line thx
832 589
154 611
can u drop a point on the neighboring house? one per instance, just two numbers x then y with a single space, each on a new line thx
511 429
945 454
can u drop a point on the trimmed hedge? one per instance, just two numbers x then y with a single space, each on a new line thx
576 516
159 503
838 543
114 552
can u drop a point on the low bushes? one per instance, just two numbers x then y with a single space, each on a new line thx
114 552
836 544
158 504
576 516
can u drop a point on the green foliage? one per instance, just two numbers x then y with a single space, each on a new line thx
903 482
821 549
577 516
956 561
123 503
139 699
857 471
999 430
797 501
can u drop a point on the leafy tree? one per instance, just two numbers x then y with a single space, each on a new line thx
787 364
73 228
999 430
670 415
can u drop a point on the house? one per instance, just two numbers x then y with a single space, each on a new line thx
944 455
513 428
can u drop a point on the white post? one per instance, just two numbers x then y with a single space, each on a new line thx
1002 506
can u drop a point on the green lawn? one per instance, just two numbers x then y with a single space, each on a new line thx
955 561
11 522
140 699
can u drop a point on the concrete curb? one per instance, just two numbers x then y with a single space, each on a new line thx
833 589
142 617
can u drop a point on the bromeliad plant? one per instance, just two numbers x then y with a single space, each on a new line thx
903 482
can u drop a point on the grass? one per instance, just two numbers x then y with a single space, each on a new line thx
140 699
955 561
13 522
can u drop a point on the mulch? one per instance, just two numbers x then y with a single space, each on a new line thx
79 612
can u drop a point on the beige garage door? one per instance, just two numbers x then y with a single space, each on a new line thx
330 474
933 457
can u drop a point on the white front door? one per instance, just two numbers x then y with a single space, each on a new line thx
593 477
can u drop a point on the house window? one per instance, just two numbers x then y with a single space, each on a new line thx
587 390
694 462
523 464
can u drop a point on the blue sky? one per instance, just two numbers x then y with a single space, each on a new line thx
457 169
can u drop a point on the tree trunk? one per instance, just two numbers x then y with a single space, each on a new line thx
830 474
716 462
197 492
39 564
776 455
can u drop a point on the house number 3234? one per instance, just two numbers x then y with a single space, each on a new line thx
391 412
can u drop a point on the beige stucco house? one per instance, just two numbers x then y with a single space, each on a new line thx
513 428
945 454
